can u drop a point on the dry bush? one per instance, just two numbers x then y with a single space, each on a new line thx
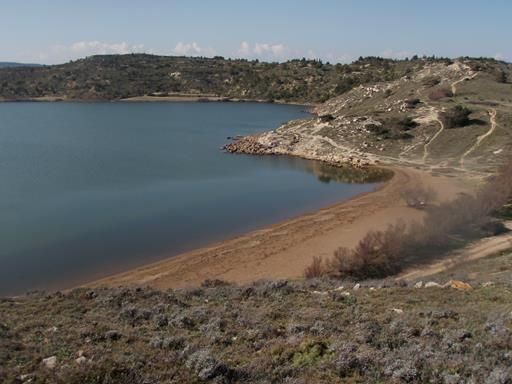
376 255
383 253
439 94
418 196
431 81
315 269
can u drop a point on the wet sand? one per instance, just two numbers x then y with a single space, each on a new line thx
285 249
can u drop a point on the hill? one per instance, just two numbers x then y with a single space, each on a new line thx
112 77
449 116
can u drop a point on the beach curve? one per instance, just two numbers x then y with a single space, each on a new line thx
284 249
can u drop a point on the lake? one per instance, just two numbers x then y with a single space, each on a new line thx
89 189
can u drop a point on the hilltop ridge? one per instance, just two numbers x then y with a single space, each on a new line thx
114 77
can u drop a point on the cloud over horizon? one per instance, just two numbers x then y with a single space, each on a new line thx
192 49
100 48
264 51
61 53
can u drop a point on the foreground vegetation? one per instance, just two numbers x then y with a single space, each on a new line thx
268 332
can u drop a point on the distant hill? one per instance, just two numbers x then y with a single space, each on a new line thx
9 64
111 77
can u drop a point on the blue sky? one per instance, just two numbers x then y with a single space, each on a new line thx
54 31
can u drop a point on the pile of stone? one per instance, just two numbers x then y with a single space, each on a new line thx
249 145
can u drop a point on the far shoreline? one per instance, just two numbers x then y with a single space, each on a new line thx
155 99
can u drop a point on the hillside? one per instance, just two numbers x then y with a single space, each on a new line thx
316 331
446 116
112 77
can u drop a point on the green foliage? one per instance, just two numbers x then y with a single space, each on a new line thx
309 353
457 116
111 77
395 127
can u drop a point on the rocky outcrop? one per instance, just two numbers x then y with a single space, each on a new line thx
248 145
392 122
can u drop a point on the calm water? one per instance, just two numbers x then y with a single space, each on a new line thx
88 189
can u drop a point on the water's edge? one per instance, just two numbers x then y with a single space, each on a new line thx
80 162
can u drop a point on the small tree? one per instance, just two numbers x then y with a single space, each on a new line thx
377 255
457 116
315 269
502 77
439 94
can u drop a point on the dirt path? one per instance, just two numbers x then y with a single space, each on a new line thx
285 249
492 114
480 249
426 151
455 83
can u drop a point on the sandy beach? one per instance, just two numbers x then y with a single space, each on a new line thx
206 98
284 249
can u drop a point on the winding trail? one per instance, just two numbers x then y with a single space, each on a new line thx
426 151
479 249
492 114
455 83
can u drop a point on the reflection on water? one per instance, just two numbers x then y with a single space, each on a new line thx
92 189
326 173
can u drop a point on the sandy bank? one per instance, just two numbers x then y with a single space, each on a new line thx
205 98
146 98
283 250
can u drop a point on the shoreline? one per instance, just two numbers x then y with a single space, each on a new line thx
152 99
285 249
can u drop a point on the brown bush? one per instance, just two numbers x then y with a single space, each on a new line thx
376 255
431 81
315 269
440 93
418 196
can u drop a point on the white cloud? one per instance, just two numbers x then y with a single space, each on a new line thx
339 57
192 49
390 54
264 51
245 49
499 56
88 48
264 48
62 53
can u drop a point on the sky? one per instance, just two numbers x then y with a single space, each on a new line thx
56 31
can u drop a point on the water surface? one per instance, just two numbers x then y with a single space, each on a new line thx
89 189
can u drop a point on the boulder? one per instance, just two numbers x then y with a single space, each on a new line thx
433 284
50 362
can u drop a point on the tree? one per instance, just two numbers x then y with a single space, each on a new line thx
457 116
502 77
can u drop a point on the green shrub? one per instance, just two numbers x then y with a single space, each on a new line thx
457 116
439 94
